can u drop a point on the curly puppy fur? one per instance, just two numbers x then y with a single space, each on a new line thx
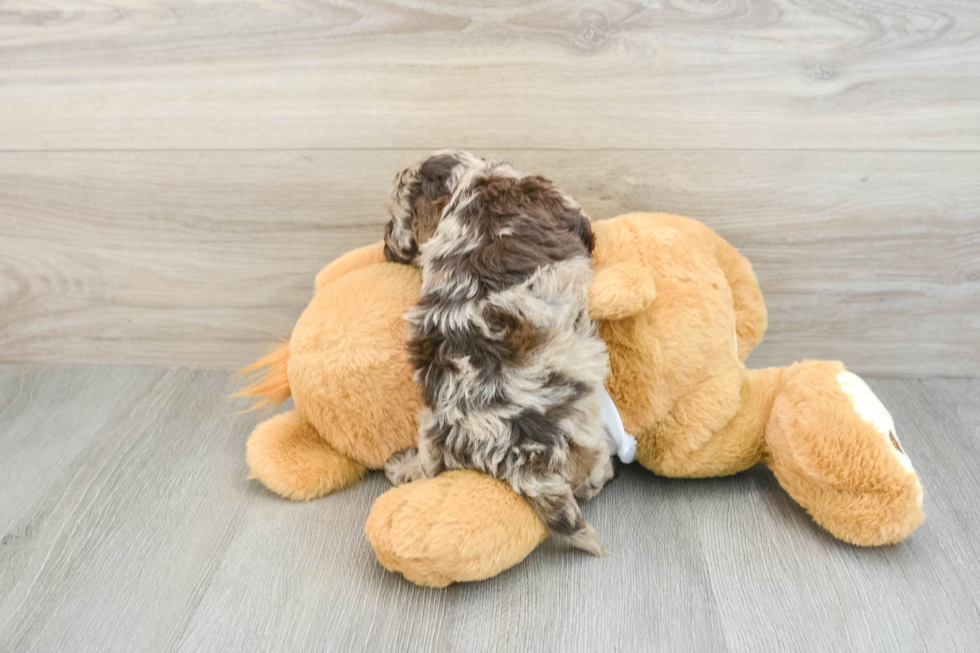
509 364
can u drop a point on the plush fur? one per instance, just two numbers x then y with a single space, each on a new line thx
271 388
291 458
680 311
435 525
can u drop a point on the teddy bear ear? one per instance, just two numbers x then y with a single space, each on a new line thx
621 290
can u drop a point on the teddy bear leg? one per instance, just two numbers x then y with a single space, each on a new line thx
291 459
834 448
458 526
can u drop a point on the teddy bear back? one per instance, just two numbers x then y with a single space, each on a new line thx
348 366
751 316
676 367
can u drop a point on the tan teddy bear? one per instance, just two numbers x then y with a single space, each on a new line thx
679 308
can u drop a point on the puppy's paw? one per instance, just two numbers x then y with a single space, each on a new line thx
587 490
403 467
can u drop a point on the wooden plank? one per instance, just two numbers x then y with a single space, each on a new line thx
942 418
327 587
50 418
137 530
782 583
204 258
773 74
152 539
109 551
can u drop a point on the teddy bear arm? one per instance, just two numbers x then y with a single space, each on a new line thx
621 290
459 526
349 262
290 458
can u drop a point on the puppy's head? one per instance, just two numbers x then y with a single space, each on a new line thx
565 212
419 194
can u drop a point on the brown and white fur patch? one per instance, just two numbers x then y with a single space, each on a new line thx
508 362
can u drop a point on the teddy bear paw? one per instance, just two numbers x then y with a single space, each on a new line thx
871 410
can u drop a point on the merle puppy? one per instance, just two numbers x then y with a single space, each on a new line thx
509 364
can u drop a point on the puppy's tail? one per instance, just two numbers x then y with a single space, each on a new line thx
556 506
271 387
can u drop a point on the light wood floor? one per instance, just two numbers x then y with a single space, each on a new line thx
128 524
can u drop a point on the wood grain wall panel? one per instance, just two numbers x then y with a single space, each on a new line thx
204 258
270 74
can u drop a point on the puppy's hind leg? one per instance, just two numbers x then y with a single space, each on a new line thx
591 470
411 464
404 467
553 502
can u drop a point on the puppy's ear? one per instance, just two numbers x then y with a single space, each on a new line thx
564 209
581 226
400 247
417 194
573 218
426 217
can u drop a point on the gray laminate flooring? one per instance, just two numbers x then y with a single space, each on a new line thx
127 523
